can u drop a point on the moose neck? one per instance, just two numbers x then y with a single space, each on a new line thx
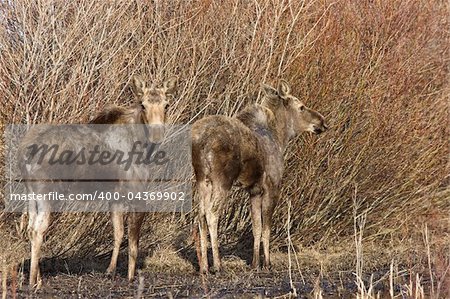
137 116
282 127
268 122
279 124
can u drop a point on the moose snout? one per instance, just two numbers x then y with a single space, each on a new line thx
318 129
156 133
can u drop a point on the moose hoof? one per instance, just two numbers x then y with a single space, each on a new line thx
36 286
39 284
111 274
215 270
255 266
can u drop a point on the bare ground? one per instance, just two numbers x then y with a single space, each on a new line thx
170 274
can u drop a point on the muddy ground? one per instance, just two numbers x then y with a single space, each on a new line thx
187 285
160 278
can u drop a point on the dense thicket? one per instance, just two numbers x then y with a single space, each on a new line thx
378 71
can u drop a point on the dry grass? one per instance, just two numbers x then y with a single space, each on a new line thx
378 70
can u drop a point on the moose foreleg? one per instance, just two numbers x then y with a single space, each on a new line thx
38 225
118 226
268 206
134 227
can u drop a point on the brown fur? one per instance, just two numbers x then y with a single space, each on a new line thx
153 101
149 109
247 150
113 115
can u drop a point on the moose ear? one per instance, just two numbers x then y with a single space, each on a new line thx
270 92
170 85
284 89
137 85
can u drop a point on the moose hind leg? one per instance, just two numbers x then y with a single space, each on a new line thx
204 193
255 206
212 217
203 229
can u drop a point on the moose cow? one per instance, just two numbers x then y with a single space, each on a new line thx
150 108
248 150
